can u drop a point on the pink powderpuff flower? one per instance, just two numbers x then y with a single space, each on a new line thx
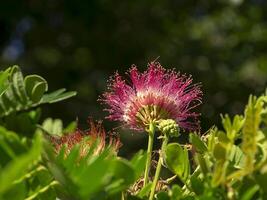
151 96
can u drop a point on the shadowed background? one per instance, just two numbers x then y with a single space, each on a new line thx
79 44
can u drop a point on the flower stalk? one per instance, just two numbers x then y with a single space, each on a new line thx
159 166
151 133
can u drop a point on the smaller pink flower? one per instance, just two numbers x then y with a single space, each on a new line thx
152 95
96 133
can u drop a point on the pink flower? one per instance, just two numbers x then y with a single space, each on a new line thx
86 139
153 95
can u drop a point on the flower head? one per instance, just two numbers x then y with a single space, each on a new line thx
151 96
86 139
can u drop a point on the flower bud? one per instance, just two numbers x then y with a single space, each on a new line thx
169 127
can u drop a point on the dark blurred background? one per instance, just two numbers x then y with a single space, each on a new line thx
79 44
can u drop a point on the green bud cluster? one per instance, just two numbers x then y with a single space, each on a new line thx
169 127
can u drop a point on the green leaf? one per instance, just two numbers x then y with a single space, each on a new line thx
124 174
30 83
249 194
176 192
18 94
16 167
53 95
23 123
250 131
145 190
199 145
70 127
261 181
133 198
18 85
39 185
219 151
53 127
16 192
203 163
237 157
10 146
9 95
197 185
38 91
163 196
138 162
232 128
4 80
57 96
6 104
223 139
177 160
219 174
93 178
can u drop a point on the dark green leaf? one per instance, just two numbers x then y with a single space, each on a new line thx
176 192
31 81
197 185
15 169
38 91
57 96
18 85
219 151
163 196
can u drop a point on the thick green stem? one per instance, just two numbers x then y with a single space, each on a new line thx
122 196
151 133
159 165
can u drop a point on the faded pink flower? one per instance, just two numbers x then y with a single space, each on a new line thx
153 95
95 133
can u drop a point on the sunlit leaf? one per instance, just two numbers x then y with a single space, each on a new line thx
198 143
177 160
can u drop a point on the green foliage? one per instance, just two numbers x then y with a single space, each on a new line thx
177 160
94 176
12 174
198 143
226 164
4 80
23 174
250 131
19 94
55 127
230 162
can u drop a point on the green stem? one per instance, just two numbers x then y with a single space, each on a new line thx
30 174
122 196
169 180
159 165
42 190
151 133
